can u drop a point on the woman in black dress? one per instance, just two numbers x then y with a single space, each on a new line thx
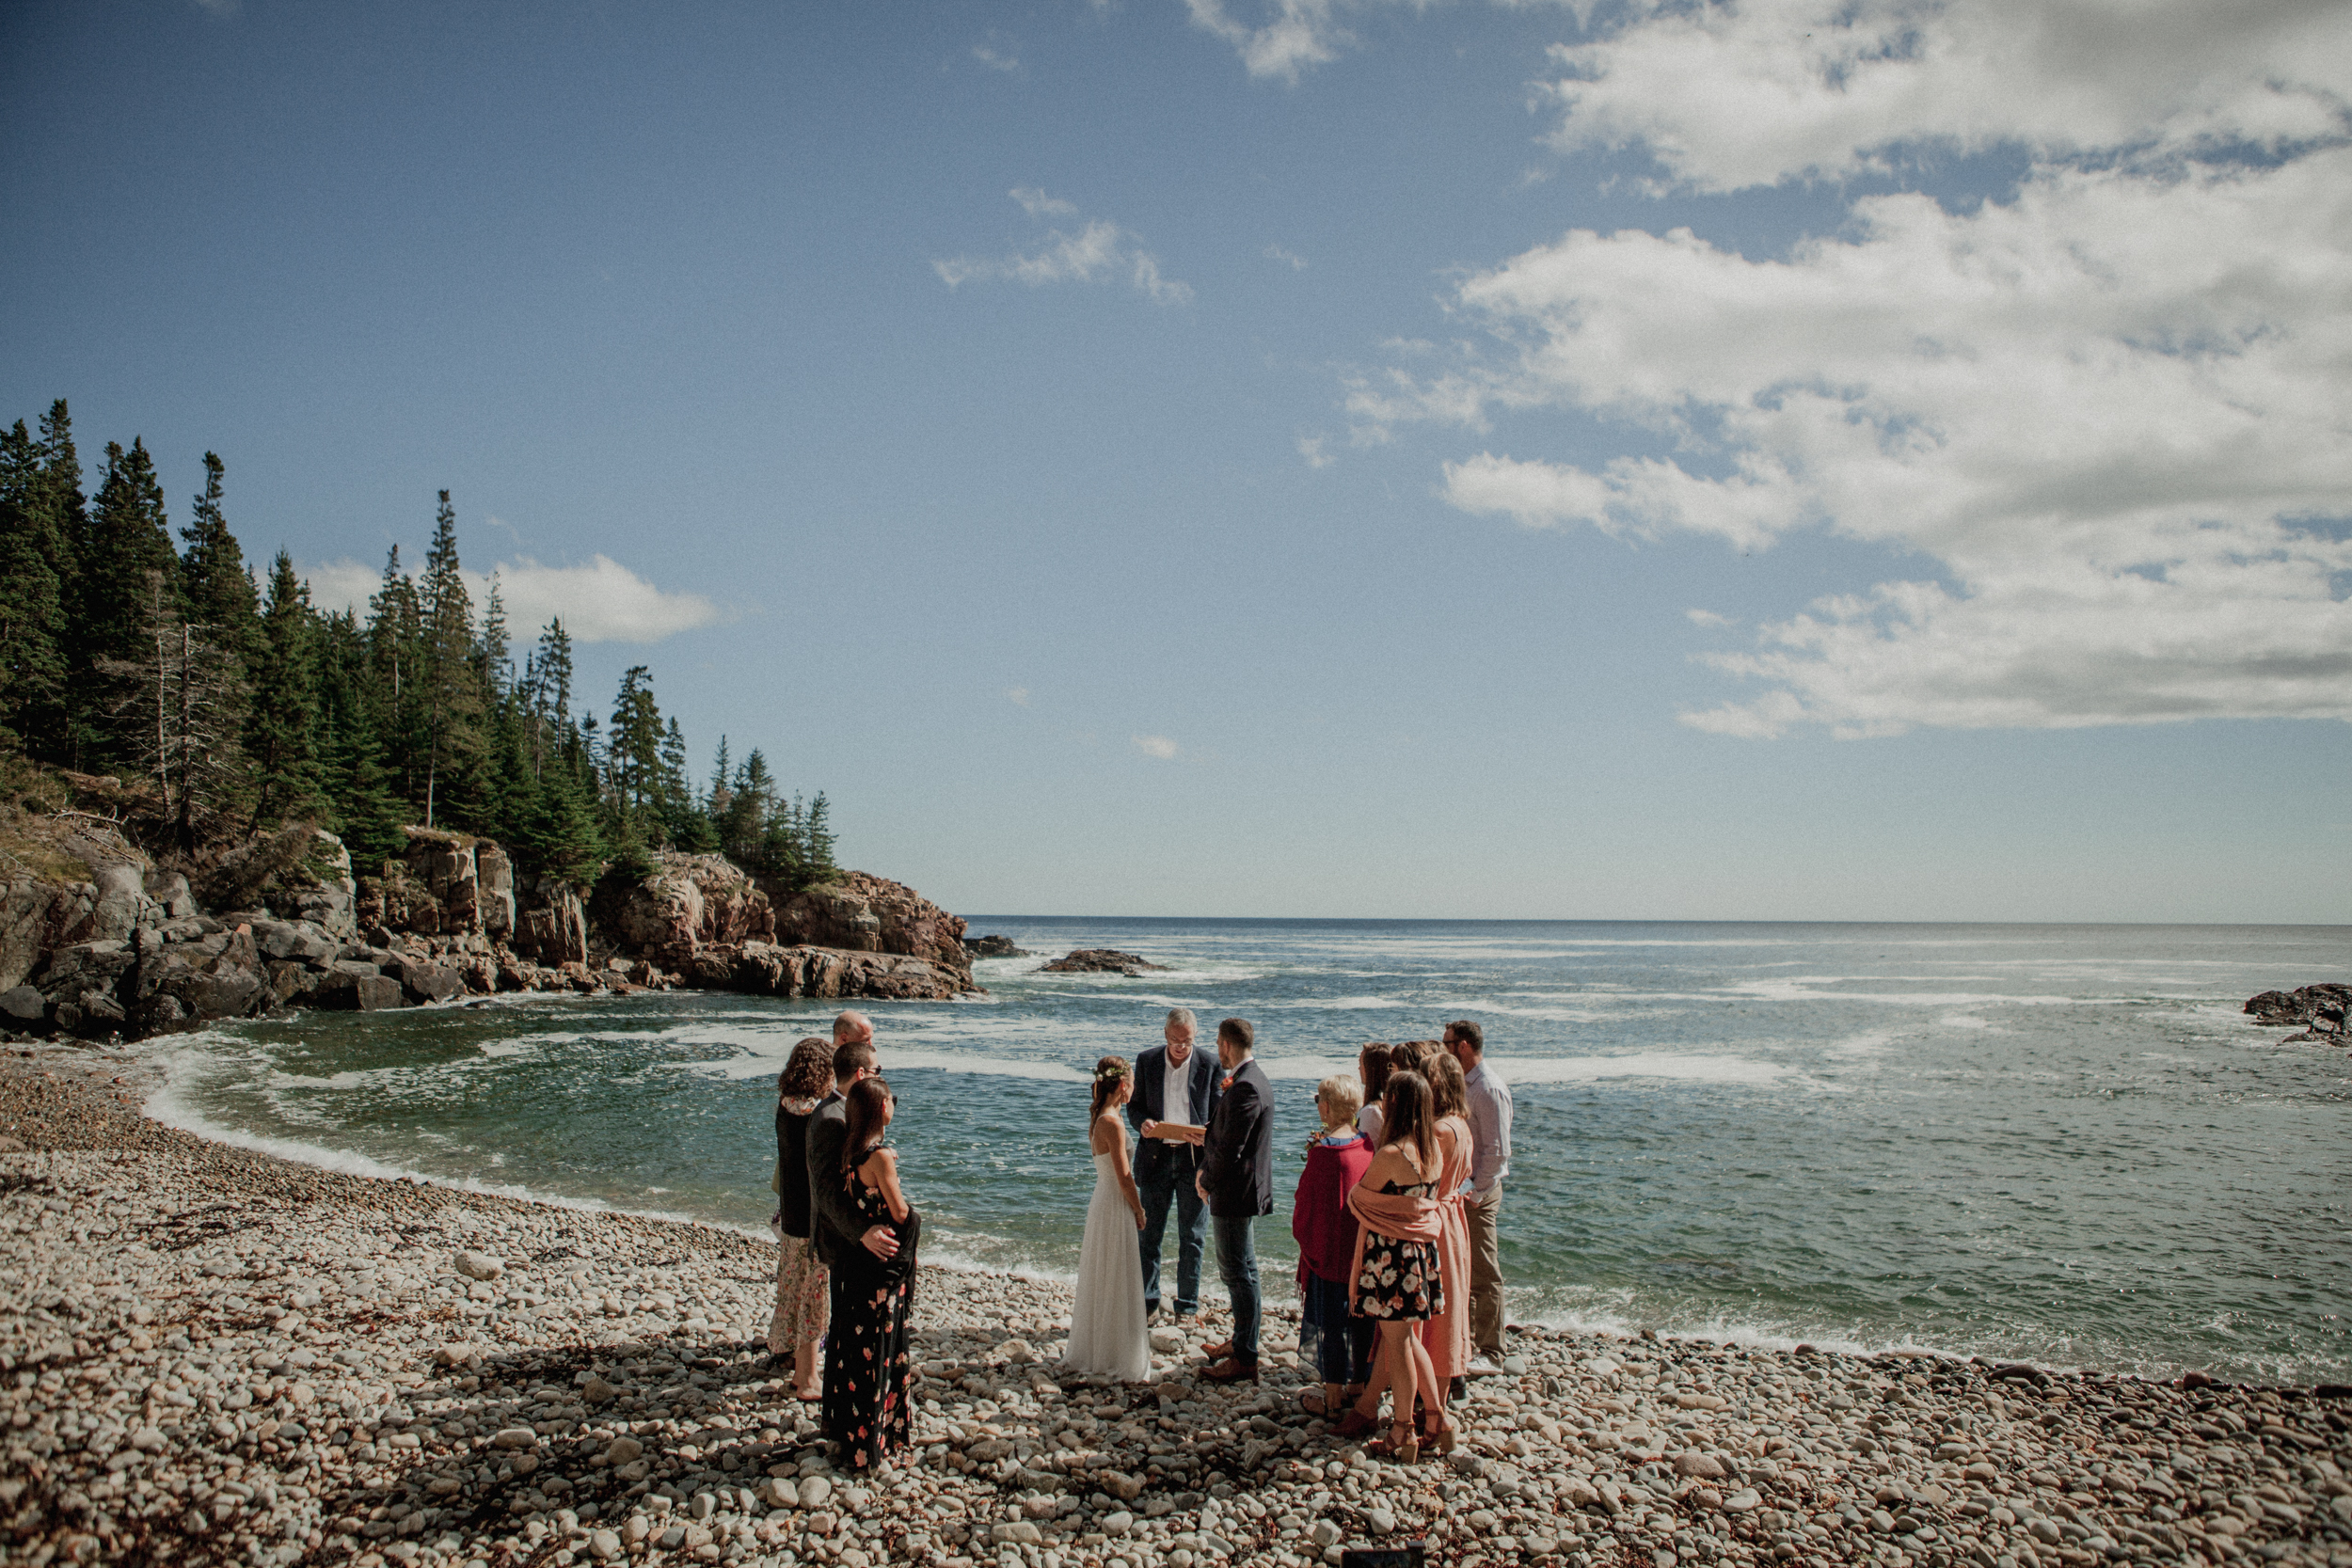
799 1321
866 1350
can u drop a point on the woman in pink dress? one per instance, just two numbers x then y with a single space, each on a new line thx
1446 1334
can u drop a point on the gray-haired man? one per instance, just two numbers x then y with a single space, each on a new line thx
1175 1085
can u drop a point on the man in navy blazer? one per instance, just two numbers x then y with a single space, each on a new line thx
1164 1170
1237 1177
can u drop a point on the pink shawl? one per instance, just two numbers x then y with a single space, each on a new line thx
1399 1216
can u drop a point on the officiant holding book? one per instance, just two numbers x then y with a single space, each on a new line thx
1176 1089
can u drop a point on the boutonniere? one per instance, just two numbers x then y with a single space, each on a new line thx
1227 1081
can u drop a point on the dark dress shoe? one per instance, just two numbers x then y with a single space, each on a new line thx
1231 1369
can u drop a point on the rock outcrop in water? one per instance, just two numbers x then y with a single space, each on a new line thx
1100 960
128 949
2319 1009
994 947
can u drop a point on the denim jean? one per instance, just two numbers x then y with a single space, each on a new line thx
1237 1261
1192 1229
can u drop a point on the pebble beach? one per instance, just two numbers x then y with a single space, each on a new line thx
212 1355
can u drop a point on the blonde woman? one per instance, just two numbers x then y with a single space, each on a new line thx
799 1321
1334 1340
1107 1334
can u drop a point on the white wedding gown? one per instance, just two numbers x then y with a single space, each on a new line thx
1107 1328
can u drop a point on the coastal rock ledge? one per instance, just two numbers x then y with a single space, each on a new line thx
129 950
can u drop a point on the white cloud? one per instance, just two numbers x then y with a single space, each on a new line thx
1708 618
1727 96
1155 746
1297 261
1037 204
1019 696
1311 448
1097 253
600 600
1296 34
1004 61
2104 423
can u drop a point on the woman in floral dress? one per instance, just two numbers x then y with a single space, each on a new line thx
1396 1276
866 1350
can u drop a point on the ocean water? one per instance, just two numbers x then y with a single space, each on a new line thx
2056 1143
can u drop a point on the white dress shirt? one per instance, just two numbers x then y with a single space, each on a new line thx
1491 1129
1176 1091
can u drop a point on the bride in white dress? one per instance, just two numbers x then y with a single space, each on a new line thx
1107 1328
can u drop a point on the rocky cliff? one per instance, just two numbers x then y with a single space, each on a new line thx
127 948
860 936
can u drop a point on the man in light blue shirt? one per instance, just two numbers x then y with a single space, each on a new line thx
1490 1162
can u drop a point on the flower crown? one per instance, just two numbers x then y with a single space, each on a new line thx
1117 1070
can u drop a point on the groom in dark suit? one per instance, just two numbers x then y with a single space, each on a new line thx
1174 1083
1237 1180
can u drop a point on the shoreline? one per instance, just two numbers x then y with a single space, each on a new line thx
2054 1353
213 1354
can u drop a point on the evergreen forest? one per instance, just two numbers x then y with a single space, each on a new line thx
234 704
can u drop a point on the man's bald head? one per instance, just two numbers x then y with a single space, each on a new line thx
851 1026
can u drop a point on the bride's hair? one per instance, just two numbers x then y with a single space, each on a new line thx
1110 1073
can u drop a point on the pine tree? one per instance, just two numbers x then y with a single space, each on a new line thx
362 805
817 842
550 707
176 707
114 604
779 852
394 679
560 840
512 793
498 665
217 588
632 755
32 602
745 823
368 817
453 701
282 735
687 824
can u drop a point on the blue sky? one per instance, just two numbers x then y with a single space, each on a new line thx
1785 461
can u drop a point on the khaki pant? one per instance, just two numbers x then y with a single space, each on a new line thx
1485 1250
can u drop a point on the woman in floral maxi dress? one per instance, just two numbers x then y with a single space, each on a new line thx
865 1350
